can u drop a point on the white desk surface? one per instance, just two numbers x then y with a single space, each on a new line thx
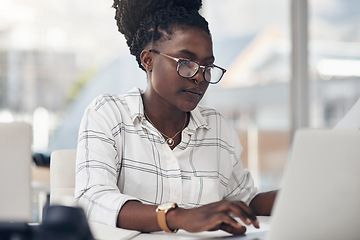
103 232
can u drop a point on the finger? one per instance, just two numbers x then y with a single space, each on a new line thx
232 230
228 219
249 212
245 213
239 207
213 222
223 218
240 210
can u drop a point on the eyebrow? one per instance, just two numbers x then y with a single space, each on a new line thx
194 55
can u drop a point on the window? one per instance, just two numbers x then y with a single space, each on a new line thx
251 40
334 59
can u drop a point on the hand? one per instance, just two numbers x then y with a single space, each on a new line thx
262 203
214 216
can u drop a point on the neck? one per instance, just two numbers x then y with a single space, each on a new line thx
166 120
162 113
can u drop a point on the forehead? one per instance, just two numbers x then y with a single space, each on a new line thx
192 39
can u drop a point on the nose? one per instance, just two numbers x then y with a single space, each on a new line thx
198 78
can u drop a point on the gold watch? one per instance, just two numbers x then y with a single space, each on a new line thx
161 211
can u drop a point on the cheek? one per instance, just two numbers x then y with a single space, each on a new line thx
165 77
161 80
163 83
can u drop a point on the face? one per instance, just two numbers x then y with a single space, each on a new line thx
165 85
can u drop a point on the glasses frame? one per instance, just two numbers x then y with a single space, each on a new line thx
178 60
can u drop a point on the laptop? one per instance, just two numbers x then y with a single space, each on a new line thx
320 194
15 172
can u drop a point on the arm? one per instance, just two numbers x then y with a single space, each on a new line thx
262 203
137 216
97 165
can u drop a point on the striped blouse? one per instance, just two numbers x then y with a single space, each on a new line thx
121 156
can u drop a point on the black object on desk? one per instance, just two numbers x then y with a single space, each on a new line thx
15 230
59 222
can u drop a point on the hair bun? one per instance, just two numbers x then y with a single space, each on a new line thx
130 13
190 5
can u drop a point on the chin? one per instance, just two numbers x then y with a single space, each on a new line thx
188 107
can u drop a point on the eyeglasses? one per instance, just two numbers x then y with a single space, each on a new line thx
187 69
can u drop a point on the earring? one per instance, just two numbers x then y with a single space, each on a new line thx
196 82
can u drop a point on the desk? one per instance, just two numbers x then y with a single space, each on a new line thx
104 232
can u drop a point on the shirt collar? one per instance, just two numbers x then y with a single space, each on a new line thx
197 120
136 108
135 104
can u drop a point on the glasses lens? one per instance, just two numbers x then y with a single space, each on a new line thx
213 74
187 68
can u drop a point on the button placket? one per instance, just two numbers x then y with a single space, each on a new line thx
175 182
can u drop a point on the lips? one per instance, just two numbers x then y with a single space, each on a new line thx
197 92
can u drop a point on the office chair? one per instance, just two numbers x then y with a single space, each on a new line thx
62 177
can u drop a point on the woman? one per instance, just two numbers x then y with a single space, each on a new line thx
154 160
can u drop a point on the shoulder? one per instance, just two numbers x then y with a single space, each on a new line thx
209 112
106 101
213 120
210 115
216 127
116 108
103 109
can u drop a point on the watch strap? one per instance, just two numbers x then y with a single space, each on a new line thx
161 219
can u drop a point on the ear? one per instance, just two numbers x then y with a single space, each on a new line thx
146 60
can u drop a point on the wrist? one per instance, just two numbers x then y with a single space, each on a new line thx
162 211
175 218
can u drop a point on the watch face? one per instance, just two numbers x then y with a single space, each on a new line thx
166 205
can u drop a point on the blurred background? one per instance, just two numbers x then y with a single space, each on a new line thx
57 56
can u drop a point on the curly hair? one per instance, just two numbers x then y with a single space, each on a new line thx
143 22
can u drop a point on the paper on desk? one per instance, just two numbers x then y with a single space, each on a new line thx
105 232
351 119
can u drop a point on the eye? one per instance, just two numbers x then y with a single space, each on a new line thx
209 65
188 63
187 68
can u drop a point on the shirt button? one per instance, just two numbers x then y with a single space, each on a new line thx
177 193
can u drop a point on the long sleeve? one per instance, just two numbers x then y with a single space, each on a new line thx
98 164
121 156
241 184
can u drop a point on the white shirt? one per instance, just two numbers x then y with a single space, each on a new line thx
121 156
